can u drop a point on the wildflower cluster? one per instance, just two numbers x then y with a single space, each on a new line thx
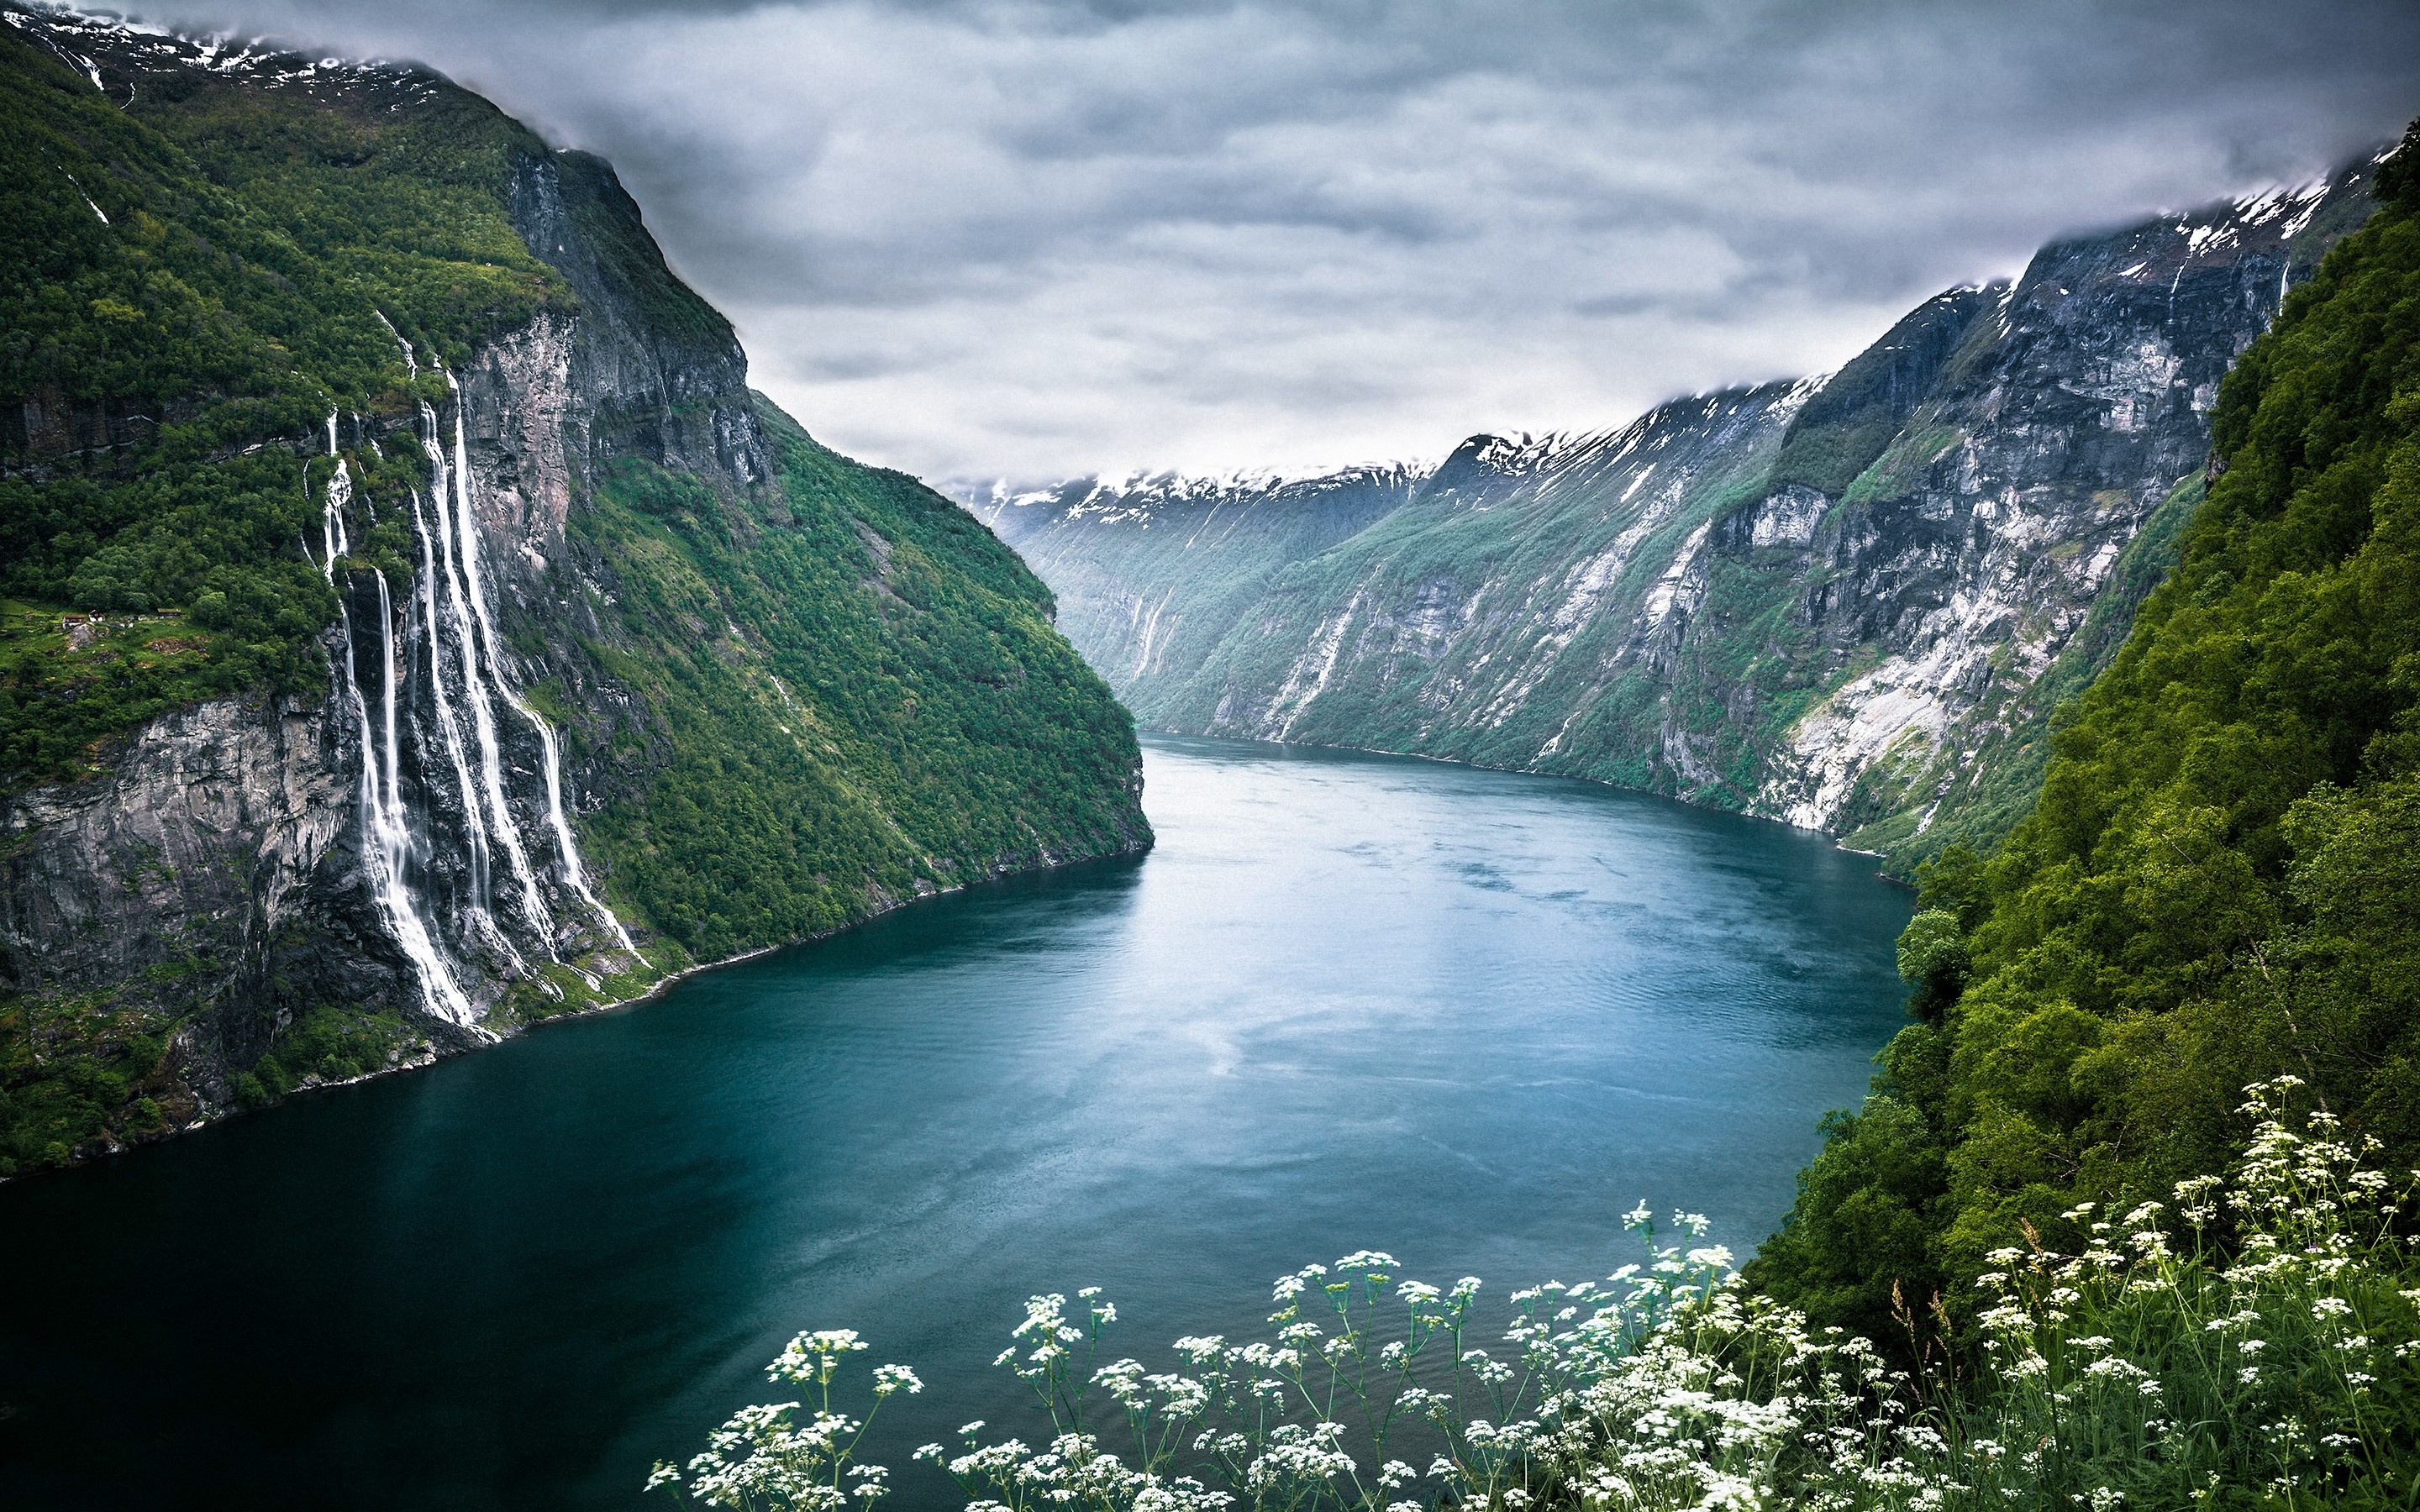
1359 1363
2258 1336
2262 1335
765 1457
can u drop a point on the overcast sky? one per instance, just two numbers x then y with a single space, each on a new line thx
1042 238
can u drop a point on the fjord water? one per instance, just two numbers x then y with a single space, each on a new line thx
1350 1001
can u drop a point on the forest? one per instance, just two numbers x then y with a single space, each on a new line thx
2220 881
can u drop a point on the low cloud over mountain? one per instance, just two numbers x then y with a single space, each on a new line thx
1047 238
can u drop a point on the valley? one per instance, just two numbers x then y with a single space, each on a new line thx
1851 602
1867 916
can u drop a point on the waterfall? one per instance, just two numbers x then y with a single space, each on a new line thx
410 362
449 729
466 531
468 676
386 681
475 692
386 821
564 845
385 827
333 543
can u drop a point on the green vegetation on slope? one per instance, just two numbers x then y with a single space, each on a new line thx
187 288
2221 881
846 690
897 710
1466 534
156 366
1846 426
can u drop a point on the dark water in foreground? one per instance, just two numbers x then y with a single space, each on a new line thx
1351 1001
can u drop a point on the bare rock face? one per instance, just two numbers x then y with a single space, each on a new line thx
1975 549
402 851
202 866
1850 603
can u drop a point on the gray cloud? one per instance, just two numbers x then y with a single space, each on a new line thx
1036 237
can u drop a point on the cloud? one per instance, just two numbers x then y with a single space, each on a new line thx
1038 236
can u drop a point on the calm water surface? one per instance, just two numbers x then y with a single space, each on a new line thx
1351 1001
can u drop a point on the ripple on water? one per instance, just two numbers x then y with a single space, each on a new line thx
1464 1016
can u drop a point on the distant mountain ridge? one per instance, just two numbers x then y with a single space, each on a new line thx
1850 602
1253 526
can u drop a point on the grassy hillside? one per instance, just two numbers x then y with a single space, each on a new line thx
786 699
184 288
886 707
2221 881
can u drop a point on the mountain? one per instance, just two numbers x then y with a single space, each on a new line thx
1850 602
1218 542
2221 882
416 628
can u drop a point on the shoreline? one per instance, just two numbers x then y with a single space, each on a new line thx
428 1055
665 984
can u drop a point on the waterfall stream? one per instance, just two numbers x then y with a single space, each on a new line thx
385 825
333 541
567 848
468 677
449 729
507 829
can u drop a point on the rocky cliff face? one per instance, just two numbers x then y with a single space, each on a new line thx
1851 602
1170 563
556 565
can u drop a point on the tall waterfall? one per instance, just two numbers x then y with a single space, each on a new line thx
468 677
567 848
333 543
385 825
449 729
459 605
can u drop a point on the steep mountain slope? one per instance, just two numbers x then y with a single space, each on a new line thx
1212 543
415 626
1850 603
2221 882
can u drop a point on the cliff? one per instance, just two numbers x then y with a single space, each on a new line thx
1850 602
416 628
2220 882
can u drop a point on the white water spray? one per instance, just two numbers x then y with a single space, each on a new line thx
459 605
570 848
453 598
333 543
449 729
466 531
385 825
411 360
